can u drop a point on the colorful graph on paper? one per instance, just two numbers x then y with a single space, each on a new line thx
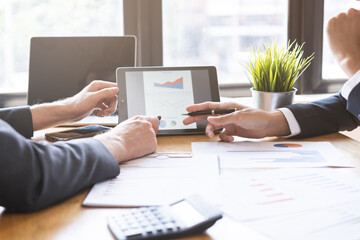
267 155
273 156
287 145
178 83
280 191
330 223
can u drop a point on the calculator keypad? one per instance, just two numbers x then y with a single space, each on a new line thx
142 223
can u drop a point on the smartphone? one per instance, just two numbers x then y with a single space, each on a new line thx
81 132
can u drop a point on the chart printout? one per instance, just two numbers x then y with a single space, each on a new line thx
281 191
167 94
272 154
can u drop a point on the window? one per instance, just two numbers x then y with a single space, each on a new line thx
22 19
178 32
330 69
219 33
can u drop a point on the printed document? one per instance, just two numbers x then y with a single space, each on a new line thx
158 180
268 193
272 154
330 223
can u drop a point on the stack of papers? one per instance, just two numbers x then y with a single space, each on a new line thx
304 199
294 194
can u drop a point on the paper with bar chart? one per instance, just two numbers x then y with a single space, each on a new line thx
330 223
168 94
281 191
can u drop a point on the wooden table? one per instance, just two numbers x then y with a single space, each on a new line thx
69 220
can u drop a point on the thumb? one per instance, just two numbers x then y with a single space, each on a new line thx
154 122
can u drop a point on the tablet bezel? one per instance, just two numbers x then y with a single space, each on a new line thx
122 96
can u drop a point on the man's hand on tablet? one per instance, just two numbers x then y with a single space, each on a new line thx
98 95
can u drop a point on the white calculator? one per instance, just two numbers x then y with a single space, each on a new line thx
188 216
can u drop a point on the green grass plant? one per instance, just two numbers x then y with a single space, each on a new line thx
276 69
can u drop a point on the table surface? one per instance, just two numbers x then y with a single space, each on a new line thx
69 220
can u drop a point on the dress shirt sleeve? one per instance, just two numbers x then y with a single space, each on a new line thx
34 175
20 119
350 85
353 103
292 122
351 92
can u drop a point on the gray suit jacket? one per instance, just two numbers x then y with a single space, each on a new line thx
34 175
328 115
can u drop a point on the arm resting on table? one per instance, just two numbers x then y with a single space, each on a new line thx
34 175
20 119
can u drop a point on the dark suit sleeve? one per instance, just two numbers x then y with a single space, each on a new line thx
34 175
325 116
20 119
353 103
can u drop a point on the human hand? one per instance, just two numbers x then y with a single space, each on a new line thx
245 122
132 138
98 95
208 106
344 38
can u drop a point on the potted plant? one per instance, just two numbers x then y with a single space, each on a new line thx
273 73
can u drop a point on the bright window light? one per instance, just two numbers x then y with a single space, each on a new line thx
22 19
219 33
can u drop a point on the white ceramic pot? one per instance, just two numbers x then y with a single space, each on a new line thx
270 101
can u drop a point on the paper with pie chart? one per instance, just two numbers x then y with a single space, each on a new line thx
167 94
273 154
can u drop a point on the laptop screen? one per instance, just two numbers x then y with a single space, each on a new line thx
62 66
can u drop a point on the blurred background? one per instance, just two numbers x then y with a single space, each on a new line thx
193 32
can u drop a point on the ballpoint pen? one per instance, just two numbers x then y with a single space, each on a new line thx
211 112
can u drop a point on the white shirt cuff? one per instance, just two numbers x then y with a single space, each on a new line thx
293 123
350 84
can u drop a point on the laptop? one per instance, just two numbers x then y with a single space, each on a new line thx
62 66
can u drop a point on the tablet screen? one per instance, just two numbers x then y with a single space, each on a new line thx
165 92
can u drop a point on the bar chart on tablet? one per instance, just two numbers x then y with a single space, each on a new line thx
178 83
168 94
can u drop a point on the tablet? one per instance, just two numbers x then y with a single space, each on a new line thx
166 92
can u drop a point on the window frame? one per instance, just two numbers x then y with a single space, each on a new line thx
141 16
304 13
144 20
